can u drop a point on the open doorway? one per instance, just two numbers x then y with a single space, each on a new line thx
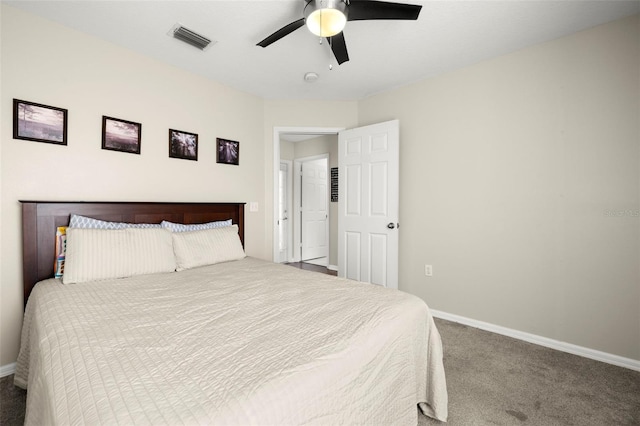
311 196
367 240
304 143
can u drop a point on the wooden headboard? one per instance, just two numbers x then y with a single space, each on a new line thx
41 218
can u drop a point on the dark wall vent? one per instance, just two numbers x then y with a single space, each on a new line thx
190 37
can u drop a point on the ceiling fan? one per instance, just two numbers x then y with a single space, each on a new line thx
327 18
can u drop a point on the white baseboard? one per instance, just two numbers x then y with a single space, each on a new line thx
332 268
620 361
7 370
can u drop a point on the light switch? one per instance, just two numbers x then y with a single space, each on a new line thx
428 270
253 206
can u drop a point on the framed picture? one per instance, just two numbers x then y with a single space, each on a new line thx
183 145
228 151
121 135
40 123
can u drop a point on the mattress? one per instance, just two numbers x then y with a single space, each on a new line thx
242 342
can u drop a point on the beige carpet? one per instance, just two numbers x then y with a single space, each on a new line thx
496 380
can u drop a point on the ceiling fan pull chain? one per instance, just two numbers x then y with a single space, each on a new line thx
320 37
329 53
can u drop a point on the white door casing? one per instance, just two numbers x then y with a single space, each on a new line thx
284 211
314 209
368 203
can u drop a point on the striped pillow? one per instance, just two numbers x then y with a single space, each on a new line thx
207 247
100 254
78 221
181 227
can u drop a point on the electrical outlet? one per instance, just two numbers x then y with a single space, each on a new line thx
428 270
253 206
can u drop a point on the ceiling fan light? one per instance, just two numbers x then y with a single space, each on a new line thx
325 18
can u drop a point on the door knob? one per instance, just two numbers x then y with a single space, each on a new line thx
391 225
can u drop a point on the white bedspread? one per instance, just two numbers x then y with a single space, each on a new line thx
238 343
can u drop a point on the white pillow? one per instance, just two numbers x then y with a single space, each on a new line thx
100 254
181 227
207 247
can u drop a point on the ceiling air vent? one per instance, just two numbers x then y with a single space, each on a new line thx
190 37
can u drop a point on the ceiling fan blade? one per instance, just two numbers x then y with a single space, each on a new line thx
339 47
360 10
284 31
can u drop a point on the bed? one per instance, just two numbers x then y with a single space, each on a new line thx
241 341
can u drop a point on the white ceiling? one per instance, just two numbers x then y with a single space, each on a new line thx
383 54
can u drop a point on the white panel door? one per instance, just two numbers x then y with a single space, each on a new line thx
315 209
368 186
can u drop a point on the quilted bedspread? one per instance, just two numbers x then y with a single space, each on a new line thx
237 343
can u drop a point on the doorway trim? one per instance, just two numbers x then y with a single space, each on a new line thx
277 131
289 224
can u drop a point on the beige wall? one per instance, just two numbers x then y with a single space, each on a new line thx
510 170
286 150
46 63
